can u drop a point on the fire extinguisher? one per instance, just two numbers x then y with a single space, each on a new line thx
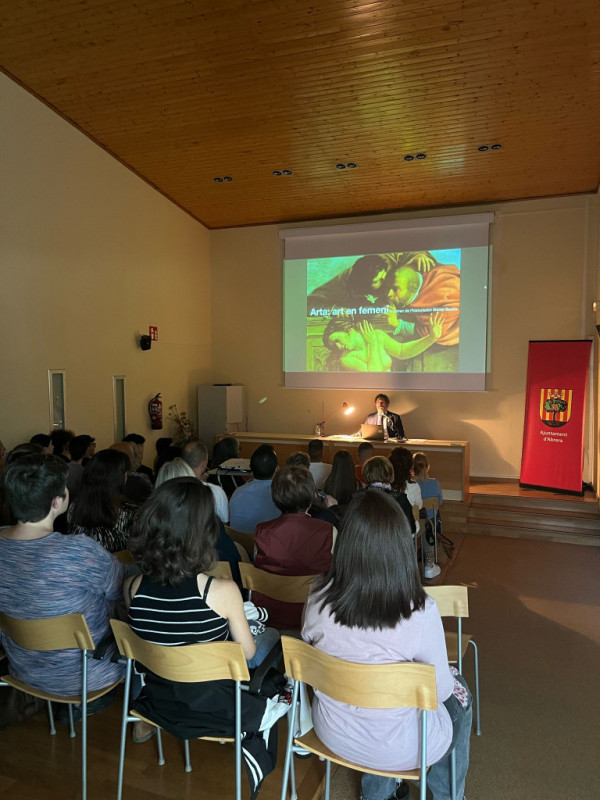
155 411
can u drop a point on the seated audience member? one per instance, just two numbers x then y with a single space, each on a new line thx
44 574
162 445
226 549
60 443
100 510
342 482
378 473
224 450
195 455
402 461
293 544
167 454
174 545
137 486
26 449
139 441
252 503
365 451
298 459
323 505
78 447
320 470
90 452
43 440
371 609
430 487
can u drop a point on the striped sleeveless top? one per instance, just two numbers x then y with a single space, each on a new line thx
175 615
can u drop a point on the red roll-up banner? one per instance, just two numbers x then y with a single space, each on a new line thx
557 375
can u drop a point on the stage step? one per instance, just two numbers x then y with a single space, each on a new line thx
570 520
550 518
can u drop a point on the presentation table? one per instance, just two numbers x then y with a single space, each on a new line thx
449 460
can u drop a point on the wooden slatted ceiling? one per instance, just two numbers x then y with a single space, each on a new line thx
183 92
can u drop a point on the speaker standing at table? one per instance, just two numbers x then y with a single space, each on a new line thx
395 429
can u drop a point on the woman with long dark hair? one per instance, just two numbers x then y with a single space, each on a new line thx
342 482
175 602
371 608
100 510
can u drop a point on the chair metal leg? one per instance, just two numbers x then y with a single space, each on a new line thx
477 716
238 741
327 779
159 745
186 747
288 748
51 719
72 733
293 790
84 690
124 718
453 774
423 765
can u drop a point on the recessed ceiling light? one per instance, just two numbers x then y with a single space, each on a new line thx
409 157
340 166
496 146
277 172
287 172
421 156
352 165
228 178
218 180
483 148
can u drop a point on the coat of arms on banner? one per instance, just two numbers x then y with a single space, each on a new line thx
555 406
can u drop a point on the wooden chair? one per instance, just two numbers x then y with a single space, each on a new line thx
58 633
245 539
243 553
433 504
124 556
194 663
453 601
221 569
399 685
286 588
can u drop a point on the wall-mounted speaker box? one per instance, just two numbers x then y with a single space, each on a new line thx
221 409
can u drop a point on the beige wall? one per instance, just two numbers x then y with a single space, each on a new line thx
543 276
89 257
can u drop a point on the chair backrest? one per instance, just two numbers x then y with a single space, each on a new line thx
69 631
452 601
221 569
124 556
431 503
285 588
192 663
416 513
404 684
245 539
243 553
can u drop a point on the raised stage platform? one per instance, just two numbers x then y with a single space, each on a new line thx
503 508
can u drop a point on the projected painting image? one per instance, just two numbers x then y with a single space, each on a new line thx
392 312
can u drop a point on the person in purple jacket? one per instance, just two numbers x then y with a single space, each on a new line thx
370 608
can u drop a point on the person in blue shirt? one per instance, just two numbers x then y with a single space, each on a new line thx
252 503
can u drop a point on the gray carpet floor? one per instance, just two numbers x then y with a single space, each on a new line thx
535 615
